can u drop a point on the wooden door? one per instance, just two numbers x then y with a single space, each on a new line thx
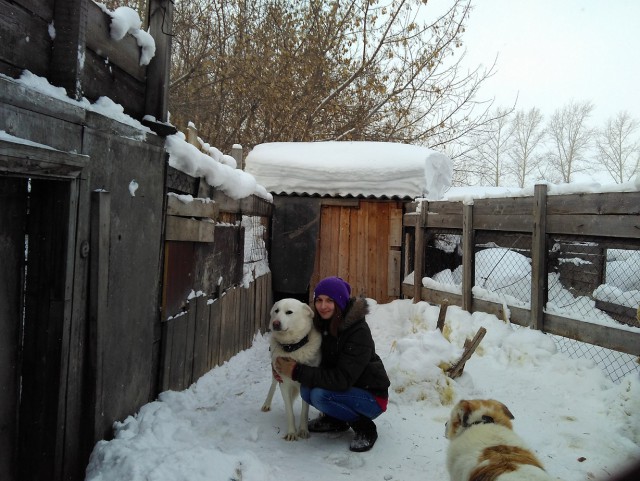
13 211
359 240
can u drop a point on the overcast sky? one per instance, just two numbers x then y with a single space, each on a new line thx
553 51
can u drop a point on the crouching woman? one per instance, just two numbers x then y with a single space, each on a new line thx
350 388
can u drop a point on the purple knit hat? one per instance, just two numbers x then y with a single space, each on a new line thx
336 288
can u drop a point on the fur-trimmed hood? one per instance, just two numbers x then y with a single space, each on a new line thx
356 310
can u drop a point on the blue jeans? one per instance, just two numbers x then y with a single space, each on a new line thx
346 405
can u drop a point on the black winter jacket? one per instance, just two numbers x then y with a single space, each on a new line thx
350 360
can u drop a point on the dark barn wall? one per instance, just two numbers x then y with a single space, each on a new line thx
130 343
103 343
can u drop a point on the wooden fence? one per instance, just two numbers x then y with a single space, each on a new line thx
610 220
212 330
204 258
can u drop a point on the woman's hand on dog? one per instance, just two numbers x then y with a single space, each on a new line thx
275 374
285 367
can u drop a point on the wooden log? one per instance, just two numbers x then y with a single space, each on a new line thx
442 314
469 348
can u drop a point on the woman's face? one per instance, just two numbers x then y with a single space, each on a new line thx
325 306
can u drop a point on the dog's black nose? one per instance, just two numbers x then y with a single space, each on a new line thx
276 325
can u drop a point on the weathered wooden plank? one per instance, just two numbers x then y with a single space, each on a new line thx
189 347
227 334
124 53
468 256
180 324
215 322
160 21
380 211
393 280
539 257
604 336
26 101
624 314
25 41
395 225
419 248
443 221
513 223
98 309
166 350
611 203
100 79
508 206
37 160
344 216
623 226
361 263
196 208
178 271
189 230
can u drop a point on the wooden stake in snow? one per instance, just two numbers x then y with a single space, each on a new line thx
469 348
442 314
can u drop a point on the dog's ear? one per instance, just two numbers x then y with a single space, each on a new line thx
309 310
464 409
506 411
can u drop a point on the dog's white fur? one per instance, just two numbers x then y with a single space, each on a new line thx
290 321
484 447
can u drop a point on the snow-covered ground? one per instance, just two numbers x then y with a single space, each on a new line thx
581 424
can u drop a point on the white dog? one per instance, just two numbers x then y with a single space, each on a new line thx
483 445
293 335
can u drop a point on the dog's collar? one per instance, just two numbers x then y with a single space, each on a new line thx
485 420
296 346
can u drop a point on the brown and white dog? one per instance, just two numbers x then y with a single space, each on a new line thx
484 447
293 335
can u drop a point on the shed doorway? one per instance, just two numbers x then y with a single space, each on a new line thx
36 222
360 241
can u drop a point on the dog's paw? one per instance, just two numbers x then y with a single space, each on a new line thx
266 408
290 437
303 434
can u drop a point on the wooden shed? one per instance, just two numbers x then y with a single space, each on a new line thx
338 210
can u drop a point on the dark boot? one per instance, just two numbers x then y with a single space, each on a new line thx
327 424
365 435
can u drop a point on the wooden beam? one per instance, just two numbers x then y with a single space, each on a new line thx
39 160
418 268
161 29
468 257
69 46
539 258
188 230
98 299
197 208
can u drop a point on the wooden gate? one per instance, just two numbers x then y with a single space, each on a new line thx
35 279
360 241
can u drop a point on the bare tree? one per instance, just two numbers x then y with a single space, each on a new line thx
486 162
528 134
570 138
618 147
277 70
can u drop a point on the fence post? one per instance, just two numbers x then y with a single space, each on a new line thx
236 153
539 257
418 264
468 257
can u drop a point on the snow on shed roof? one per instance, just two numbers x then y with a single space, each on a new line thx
336 168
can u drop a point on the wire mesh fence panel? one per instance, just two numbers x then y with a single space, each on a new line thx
586 280
256 262
616 365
